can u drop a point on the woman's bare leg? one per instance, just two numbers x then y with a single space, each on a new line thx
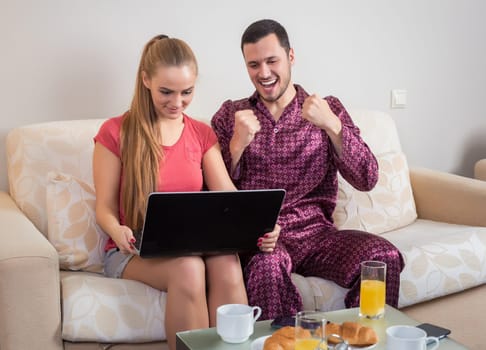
184 280
224 282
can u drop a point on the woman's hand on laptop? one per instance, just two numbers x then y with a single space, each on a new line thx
124 240
267 242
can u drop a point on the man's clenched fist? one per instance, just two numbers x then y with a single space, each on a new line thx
246 126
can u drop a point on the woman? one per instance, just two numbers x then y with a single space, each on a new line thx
156 147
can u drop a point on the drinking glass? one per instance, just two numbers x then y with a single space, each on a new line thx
373 289
310 331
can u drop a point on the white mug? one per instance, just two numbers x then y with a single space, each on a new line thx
234 322
408 338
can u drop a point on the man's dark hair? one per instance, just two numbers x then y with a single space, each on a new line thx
262 28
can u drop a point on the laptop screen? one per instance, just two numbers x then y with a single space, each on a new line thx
208 222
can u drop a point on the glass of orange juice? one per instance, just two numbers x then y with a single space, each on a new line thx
310 331
373 289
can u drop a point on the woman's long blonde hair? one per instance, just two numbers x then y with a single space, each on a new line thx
141 146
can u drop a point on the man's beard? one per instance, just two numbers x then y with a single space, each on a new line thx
280 93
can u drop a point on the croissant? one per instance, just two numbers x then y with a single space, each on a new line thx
352 332
282 339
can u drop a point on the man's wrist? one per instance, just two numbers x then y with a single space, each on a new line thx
235 148
335 133
334 129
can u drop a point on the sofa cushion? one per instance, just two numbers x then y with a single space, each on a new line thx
378 130
36 149
328 296
440 259
388 206
101 309
71 223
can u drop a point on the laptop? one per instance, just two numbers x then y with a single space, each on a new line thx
208 222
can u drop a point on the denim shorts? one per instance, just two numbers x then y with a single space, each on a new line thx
115 263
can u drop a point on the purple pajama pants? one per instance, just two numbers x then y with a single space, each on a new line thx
334 256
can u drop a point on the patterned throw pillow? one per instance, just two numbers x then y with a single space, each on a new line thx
388 206
71 223
111 310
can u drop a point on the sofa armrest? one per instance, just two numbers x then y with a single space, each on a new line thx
480 170
30 316
445 197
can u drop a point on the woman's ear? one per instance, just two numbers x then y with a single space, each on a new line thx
146 80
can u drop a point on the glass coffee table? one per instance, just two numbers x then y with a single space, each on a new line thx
208 339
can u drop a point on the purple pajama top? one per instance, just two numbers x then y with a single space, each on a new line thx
293 154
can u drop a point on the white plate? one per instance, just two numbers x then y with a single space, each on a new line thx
351 347
361 347
257 344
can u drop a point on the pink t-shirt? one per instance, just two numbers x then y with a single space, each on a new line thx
181 169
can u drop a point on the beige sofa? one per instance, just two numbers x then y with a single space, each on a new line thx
52 292
480 169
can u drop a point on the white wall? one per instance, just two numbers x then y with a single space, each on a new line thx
72 59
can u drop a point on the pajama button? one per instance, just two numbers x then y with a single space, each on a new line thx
275 130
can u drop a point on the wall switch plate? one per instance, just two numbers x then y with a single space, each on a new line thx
398 98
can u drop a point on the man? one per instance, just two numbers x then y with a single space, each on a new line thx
281 137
